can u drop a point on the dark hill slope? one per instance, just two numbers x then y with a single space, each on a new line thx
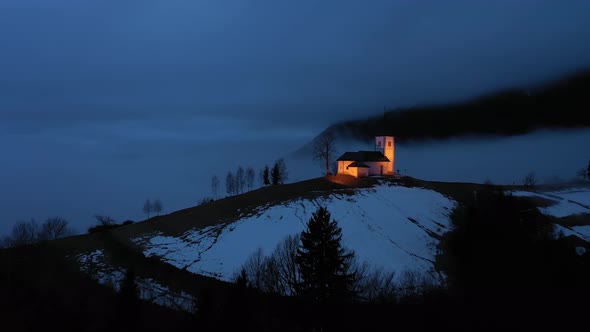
51 277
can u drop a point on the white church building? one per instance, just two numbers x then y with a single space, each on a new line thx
366 163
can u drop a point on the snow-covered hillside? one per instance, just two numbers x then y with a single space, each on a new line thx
565 203
388 226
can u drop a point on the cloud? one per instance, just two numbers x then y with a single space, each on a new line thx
281 62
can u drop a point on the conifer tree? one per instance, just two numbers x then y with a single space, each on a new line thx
275 174
266 176
323 262
129 300
129 289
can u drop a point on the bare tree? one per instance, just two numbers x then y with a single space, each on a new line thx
240 180
270 276
148 207
287 270
284 173
214 186
582 173
157 206
324 149
230 183
24 233
254 268
414 284
54 228
250 175
530 180
104 220
375 284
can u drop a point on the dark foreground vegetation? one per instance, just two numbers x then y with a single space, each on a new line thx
562 104
505 270
40 291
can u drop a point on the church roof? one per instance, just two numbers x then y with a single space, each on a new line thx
358 164
364 156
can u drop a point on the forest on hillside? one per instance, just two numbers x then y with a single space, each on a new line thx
562 104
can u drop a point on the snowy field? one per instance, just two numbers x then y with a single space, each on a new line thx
392 227
567 202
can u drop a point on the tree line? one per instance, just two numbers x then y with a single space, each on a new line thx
245 179
314 264
30 232
150 206
311 282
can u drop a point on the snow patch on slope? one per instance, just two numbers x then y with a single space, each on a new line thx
393 227
583 232
567 202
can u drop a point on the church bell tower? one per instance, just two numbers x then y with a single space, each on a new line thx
386 145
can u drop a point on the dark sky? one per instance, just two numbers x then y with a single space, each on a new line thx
105 103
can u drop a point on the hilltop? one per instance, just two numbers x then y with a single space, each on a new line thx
395 223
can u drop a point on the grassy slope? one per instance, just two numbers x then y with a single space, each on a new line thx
121 252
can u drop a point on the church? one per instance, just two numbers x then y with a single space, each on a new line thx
366 163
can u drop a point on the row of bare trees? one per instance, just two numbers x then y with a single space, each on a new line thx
30 232
150 206
245 179
236 183
280 274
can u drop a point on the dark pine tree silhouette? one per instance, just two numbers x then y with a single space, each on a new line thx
266 176
275 174
129 291
129 303
323 262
